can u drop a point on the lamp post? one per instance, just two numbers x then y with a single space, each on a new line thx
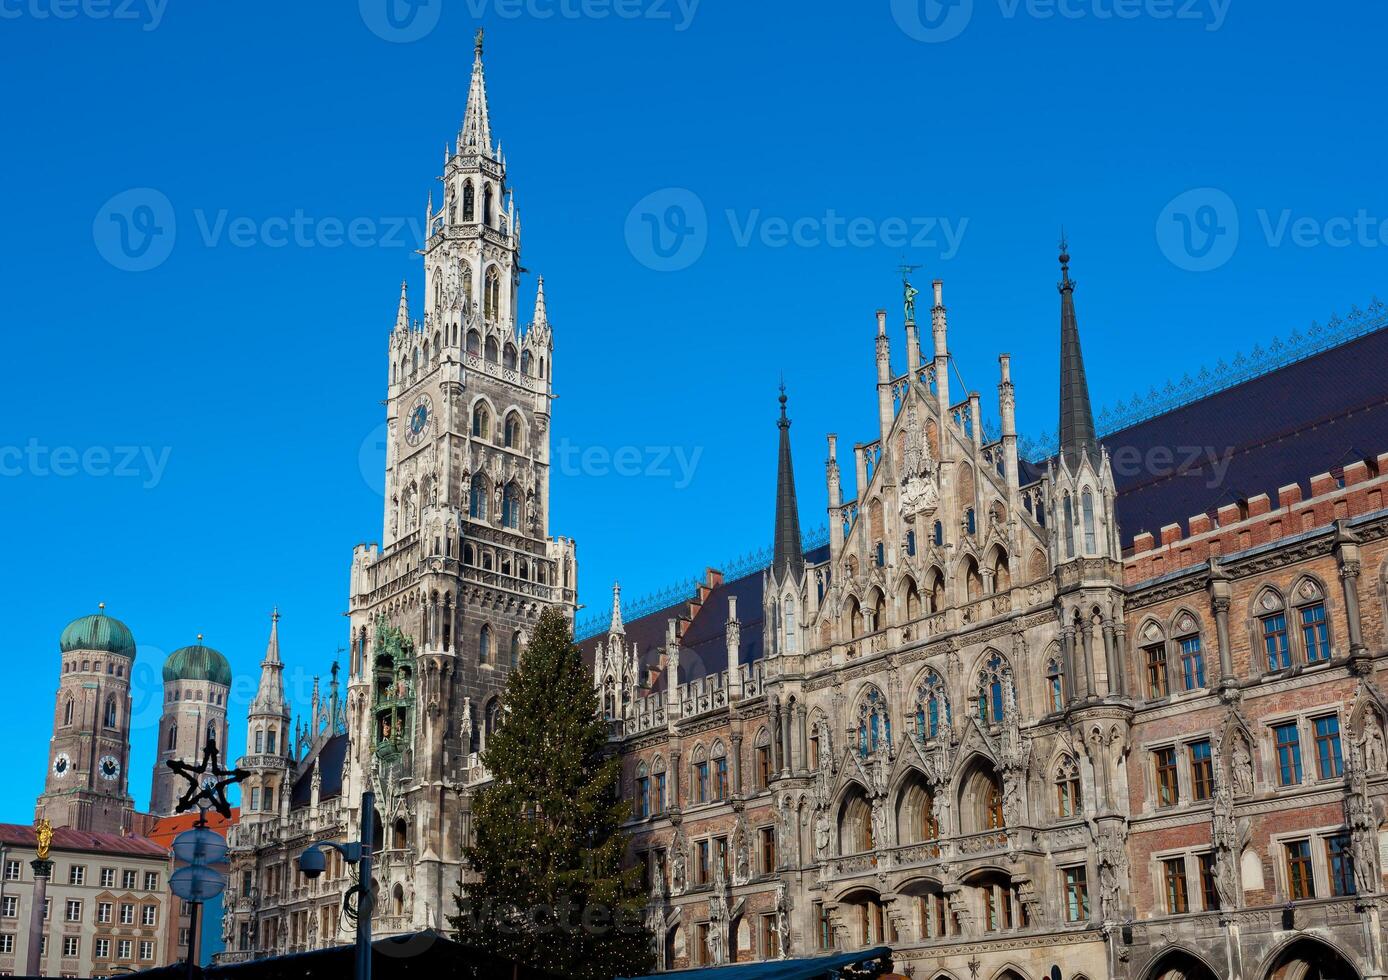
312 863
200 848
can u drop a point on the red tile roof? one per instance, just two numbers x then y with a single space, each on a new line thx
86 841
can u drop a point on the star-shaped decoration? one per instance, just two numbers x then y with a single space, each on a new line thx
207 781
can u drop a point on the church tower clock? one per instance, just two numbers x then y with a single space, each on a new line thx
89 754
441 609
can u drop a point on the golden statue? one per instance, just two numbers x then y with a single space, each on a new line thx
45 836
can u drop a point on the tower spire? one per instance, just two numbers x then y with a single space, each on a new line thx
476 134
402 319
787 555
616 626
1077 436
541 313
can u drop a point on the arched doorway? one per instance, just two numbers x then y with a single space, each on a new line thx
1180 965
1307 959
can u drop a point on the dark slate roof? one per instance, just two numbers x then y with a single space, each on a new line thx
331 759
703 651
1283 427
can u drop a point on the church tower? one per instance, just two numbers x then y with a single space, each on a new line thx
89 754
441 609
785 578
268 747
197 680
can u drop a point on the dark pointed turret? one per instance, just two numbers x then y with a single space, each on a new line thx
1077 436
788 558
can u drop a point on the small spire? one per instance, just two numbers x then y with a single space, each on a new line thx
402 323
616 626
788 558
1077 436
477 43
476 133
541 312
272 648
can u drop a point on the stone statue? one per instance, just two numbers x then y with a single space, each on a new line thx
677 868
783 918
821 835
879 824
1375 755
1241 768
910 292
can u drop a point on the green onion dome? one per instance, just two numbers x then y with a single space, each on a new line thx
197 663
99 633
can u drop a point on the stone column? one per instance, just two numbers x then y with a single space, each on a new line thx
43 870
1067 653
1220 601
1347 557
802 730
1087 651
1120 642
787 742
737 763
673 775
775 735
1113 667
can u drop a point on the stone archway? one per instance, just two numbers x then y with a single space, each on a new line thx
1178 964
1309 959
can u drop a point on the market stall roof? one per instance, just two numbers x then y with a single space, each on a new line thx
808 968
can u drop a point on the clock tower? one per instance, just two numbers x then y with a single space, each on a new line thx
88 756
441 609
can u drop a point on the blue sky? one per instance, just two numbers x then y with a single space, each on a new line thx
246 372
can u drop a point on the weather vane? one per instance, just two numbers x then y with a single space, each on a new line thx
207 781
910 292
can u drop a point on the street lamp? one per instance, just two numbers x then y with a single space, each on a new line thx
312 863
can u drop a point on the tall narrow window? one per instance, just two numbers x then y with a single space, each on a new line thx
1315 633
1209 891
1174 875
1329 763
469 202
510 507
1055 684
788 618
515 649
1339 858
172 742
1087 506
1067 789
1201 770
1076 894
487 206
911 543
1165 763
111 712
1069 510
484 645
1192 663
643 792
477 500
67 712
1288 742
1275 642
1156 671
939 534
481 422
1301 882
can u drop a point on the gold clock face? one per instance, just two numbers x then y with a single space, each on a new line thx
418 420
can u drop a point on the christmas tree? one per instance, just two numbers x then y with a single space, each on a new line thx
547 847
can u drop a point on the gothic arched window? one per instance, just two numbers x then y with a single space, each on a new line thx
481 422
474 343
487 206
1067 788
477 499
515 648
171 742
67 712
788 621
994 680
508 357
484 645
513 431
111 712
874 724
511 507
932 707
1069 510
469 202
939 534
1055 684
525 363
1087 507
491 717
491 299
